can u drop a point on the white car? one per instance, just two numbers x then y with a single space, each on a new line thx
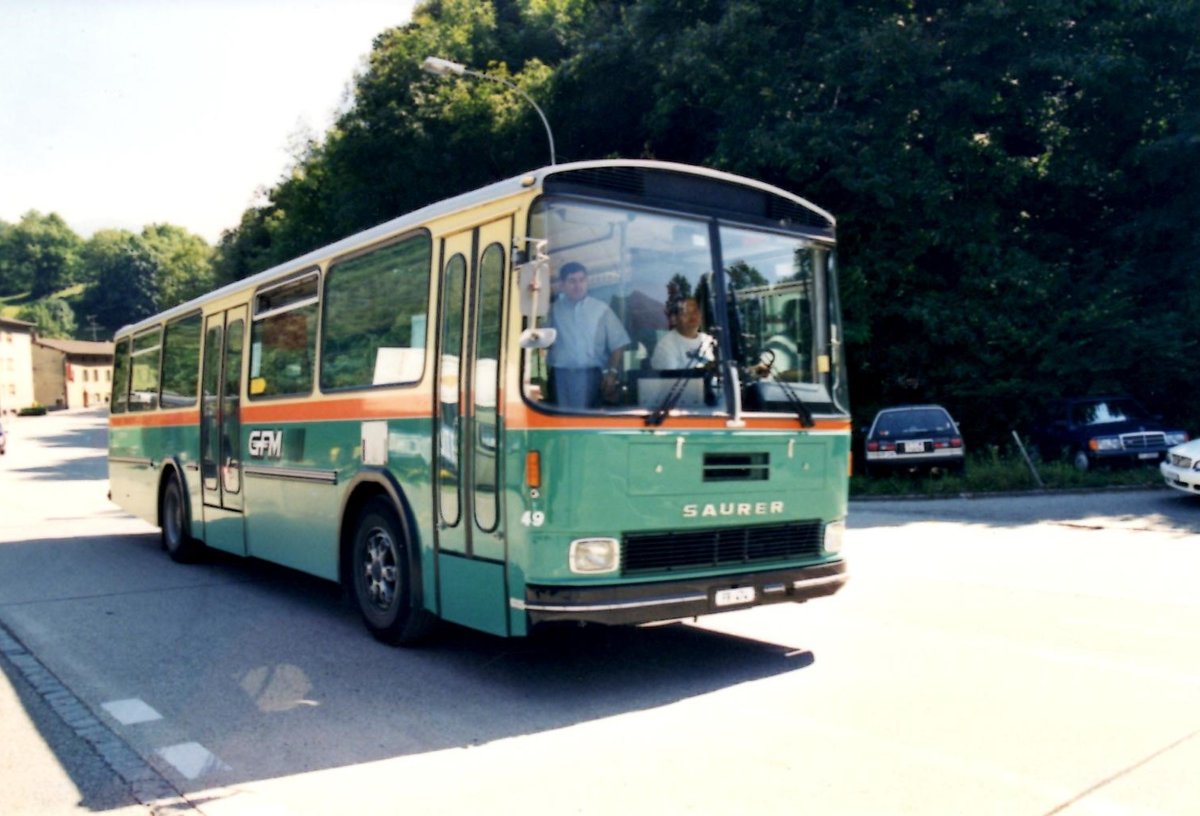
1181 468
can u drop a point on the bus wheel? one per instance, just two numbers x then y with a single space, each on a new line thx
383 579
175 539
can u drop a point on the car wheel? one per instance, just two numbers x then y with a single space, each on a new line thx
172 517
1081 461
383 579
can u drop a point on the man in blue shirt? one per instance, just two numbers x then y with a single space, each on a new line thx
586 353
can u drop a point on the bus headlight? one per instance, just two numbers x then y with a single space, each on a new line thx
592 555
834 532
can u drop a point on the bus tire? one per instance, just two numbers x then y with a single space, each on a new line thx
172 512
383 579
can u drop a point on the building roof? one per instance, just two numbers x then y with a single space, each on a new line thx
76 346
12 322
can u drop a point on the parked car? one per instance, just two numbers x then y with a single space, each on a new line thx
912 437
1110 430
1181 468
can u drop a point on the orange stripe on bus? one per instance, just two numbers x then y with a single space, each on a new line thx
416 404
372 406
158 419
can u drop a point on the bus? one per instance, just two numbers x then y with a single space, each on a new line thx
387 412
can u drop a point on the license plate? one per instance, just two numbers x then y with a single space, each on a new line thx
1147 456
737 595
914 447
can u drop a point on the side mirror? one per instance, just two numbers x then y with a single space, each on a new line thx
538 338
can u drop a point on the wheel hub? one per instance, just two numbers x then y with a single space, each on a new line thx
380 569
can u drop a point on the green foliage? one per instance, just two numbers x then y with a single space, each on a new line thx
122 276
1017 184
1001 471
54 317
124 269
133 276
410 139
39 254
184 263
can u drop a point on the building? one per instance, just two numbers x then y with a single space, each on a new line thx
16 365
72 373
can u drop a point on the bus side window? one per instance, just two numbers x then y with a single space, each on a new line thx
181 358
120 387
143 389
284 338
376 316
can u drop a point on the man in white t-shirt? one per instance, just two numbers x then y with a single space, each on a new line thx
685 346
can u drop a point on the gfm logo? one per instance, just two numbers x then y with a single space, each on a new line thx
266 444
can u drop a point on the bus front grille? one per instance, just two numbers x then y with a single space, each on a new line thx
670 551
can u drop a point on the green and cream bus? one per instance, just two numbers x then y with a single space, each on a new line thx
383 411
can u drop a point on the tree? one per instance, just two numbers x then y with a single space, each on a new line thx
54 317
1015 183
410 139
125 289
41 255
183 263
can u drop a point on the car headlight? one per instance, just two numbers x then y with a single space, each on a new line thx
593 555
834 532
1176 437
1105 443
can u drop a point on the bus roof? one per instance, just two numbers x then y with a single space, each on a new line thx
416 218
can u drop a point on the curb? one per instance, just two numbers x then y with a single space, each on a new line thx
1006 494
146 785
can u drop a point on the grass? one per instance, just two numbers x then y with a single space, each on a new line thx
994 472
10 305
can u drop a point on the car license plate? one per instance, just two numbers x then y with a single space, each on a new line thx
737 595
914 447
1147 456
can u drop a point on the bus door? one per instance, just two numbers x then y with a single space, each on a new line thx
220 430
468 427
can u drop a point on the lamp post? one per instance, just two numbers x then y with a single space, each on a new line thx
442 67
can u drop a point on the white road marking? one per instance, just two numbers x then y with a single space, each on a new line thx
192 759
131 712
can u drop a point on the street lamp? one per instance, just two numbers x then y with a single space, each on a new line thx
442 67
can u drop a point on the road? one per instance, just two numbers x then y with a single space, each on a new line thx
1031 655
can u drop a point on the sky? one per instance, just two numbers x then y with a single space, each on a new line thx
123 113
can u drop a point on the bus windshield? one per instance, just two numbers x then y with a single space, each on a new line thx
656 312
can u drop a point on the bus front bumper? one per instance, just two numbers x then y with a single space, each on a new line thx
686 598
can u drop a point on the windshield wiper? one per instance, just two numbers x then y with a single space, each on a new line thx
657 416
802 411
680 382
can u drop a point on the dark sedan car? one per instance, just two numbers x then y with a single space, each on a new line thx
1095 430
912 437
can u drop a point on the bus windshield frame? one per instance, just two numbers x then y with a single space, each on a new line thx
768 339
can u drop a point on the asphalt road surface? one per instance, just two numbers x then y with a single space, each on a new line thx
1021 655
